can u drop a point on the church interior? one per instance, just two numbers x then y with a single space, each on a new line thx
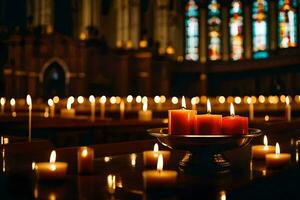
149 99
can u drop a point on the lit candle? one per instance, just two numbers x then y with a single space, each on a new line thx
234 124
122 110
181 121
150 157
29 103
278 159
251 108
68 112
157 101
208 124
51 170
145 114
52 108
159 178
13 107
288 109
85 160
260 151
194 103
129 100
92 101
2 102
102 107
111 183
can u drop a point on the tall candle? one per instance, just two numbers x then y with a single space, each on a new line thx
208 124
234 124
102 107
181 121
260 151
145 114
288 109
52 108
251 108
92 101
122 110
159 178
29 103
13 107
2 102
85 160
278 159
129 100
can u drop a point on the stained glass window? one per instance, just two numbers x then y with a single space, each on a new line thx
236 30
192 31
214 30
260 40
287 27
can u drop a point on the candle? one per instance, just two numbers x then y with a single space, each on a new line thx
194 103
278 159
92 101
85 160
122 110
51 170
181 121
288 109
52 107
111 183
102 107
69 112
13 107
208 124
2 102
158 102
234 124
29 103
260 151
251 108
159 178
145 115
129 100
150 157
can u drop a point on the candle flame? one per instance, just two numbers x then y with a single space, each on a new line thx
183 103
129 99
103 99
33 165
28 100
287 100
208 106
160 162
53 156
50 102
12 102
145 106
249 100
266 147
277 150
2 101
92 99
156 149
122 105
232 113
84 152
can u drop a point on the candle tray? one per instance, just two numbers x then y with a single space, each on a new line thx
204 152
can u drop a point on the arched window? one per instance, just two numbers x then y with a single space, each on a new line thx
236 30
260 40
214 30
191 31
287 23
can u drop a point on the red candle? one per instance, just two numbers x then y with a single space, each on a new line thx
234 124
181 122
208 124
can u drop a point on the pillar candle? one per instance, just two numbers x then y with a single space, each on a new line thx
52 108
122 110
251 109
2 102
208 124
159 178
278 159
288 109
150 157
129 100
29 103
85 160
92 101
13 107
145 114
102 107
68 112
234 124
260 151
181 121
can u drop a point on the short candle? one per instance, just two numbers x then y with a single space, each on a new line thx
150 157
68 112
234 124
260 151
51 170
278 159
159 178
145 114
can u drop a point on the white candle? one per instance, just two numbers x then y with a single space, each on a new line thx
13 107
2 102
52 108
122 110
102 107
145 114
278 159
157 100
288 109
129 100
92 101
150 157
69 112
251 108
29 103
51 170
260 151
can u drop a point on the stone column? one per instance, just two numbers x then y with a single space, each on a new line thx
135 22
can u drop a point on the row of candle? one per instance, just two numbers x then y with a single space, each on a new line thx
187 122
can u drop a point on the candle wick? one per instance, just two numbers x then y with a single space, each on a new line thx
183 108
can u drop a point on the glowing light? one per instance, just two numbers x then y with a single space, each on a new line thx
103 99
156 99
163 99
92 99
50 102
113 100
144 99
2 101
221 99
277 149
267 118
183 103
12 102
174 100
56 99
266 147
232 113
208 107
107 159
53 156
230 99
261 99
84 152
145 106
160 162
155 148
129 99
138 99
133 159
237 100
28 100
287 101
80 99
118 99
